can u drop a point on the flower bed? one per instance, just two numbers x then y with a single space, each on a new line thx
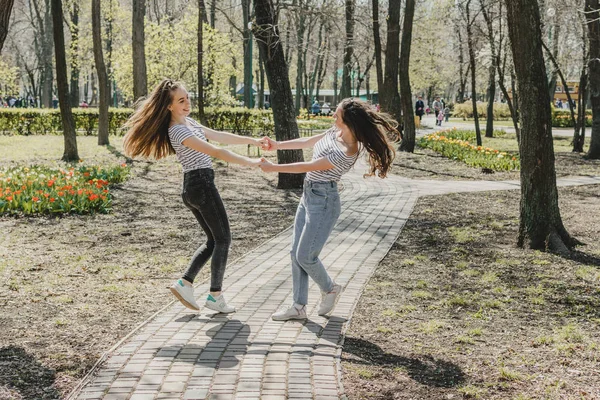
454 144
43 190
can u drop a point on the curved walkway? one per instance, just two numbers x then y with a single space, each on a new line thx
179 354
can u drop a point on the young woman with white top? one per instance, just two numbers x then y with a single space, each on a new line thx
358 128
161 127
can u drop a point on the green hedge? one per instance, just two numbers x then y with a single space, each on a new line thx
562 118
23 121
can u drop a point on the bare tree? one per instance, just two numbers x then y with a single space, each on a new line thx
377 42
201 19
541 225
346 90
68 124
267 35
489 126
102 75
592 13
389 97
5 10
140 79
74 9
247 35
408 140
465 8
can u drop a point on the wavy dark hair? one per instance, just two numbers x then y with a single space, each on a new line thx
371 129
148 133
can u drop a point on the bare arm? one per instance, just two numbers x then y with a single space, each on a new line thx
321 164
228 138
295 144
217 152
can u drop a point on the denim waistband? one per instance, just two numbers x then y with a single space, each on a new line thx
329 184
201 174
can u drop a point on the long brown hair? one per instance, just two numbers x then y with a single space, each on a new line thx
148 133
371 128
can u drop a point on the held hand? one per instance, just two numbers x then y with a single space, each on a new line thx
266 165
266 143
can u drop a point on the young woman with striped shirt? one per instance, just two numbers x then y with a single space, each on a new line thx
358 128
161 127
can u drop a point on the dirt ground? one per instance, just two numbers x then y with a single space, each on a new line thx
73 286
455 310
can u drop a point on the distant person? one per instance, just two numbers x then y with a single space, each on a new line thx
54 101
447 113
316 108
419 108
358 128
439 118
437 106
559 104
325 110
161 126
84 104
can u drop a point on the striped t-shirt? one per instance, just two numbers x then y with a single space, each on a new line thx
329 148
190 159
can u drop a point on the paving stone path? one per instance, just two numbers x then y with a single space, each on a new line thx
178 354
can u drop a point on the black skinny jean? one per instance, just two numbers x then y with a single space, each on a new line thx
201 196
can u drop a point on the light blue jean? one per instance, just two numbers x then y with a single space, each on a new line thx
316 216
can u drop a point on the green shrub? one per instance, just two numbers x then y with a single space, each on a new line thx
465 111
17 121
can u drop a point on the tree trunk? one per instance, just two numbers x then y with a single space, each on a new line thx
552 84
489 127
377 41
261 82
408 140
346 90
102 75
461 66
489 123
284 116
140 79
299 50
68 124
335 75
47 49
579 135
390 99
473 71
213 13
74 28
201 18
592 13
5 10
541 225
247 35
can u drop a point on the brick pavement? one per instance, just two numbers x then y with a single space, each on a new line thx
179 354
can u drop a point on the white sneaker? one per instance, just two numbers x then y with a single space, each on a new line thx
329 300
218 304
291 313
185 294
